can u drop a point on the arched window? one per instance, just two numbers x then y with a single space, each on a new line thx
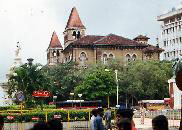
54 53
57 52
105 58
78 34
83 58
134 57
74 34
128 58
111 56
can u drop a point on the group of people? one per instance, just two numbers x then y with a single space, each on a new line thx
124 121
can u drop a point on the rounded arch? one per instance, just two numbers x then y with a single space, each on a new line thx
83 57
134 57
128 57
111 56
54 53
104 58
74 34
78 34
83 53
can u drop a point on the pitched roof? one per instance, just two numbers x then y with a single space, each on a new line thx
110 39
55 43
74 19
141 37
151 49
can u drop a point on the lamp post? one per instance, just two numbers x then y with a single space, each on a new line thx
117 85
80 95
72 94
116 72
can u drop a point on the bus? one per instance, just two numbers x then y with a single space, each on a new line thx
78 104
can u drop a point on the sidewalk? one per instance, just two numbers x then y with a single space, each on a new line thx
148 123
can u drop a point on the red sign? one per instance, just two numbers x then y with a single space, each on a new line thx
35 118
41 94
10 117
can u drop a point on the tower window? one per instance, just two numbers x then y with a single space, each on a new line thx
78 34
74 34
57 52
54 53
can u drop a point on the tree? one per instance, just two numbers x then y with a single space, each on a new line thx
64 78
145 80
26 79
97 84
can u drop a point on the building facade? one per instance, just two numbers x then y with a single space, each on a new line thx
171 34
90 49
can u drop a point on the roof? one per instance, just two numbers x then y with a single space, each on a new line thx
141 37
110 39
151 101
55 43
74 20
151 49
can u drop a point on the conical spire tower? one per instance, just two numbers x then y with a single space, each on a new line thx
74 28
54 51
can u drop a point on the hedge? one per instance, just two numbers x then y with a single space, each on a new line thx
26 116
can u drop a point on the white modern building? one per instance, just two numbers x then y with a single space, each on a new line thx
171 34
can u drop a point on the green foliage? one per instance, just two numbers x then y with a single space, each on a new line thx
26 79
27 116
145 80
97 84
64 78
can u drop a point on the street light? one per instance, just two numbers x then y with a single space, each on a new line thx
80 95
72 94
116 74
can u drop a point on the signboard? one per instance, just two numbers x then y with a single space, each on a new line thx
57 116
10 117
20 96
35 118
41 94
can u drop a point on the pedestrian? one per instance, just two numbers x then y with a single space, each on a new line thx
99 123
41 126
1 122
93 119
124 124
142 114
160 123
55 124
107 116
123 114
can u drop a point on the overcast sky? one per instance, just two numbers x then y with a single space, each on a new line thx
31 22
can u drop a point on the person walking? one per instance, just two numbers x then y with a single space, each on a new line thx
107 116
99 123
142 113
93 119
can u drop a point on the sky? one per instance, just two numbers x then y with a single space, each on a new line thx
32 22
